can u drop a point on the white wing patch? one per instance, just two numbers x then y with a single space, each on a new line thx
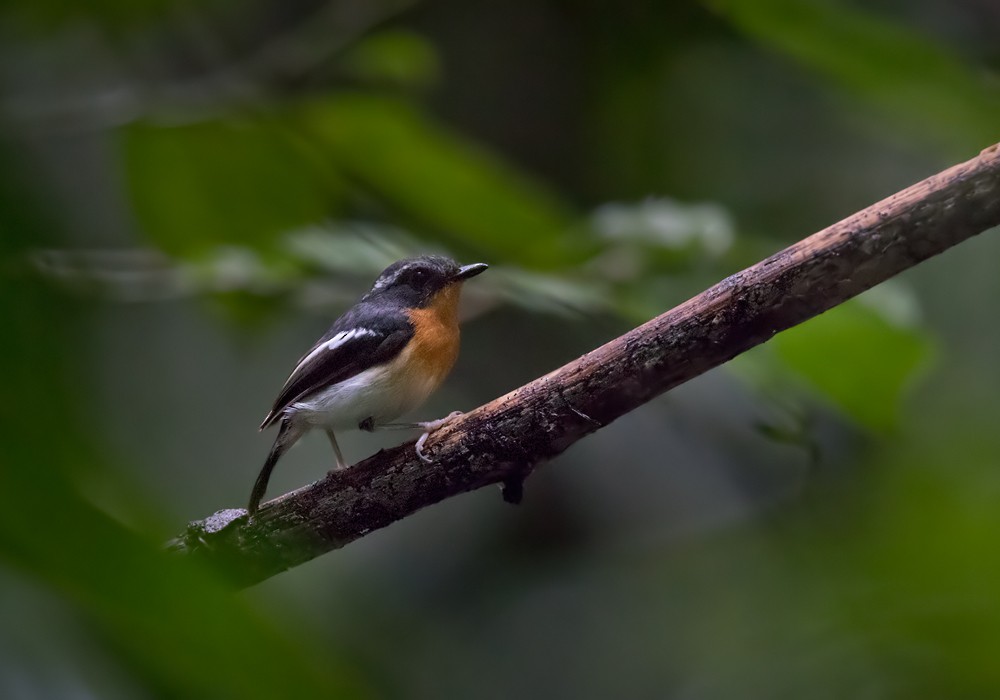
336 341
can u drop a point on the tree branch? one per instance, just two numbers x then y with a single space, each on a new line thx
504 440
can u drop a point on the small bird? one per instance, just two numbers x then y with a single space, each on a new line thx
381 359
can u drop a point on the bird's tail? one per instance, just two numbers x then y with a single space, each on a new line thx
287 436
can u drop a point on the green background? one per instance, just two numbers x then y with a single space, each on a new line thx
191 192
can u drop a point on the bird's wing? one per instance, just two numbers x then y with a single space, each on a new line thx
357 341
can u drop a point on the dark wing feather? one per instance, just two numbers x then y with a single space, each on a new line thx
376 339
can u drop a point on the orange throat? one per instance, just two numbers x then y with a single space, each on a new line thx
434 346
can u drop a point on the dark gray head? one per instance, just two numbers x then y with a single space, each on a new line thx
415 281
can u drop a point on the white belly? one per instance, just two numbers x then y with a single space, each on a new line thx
383 393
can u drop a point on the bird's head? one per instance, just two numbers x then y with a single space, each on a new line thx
417 281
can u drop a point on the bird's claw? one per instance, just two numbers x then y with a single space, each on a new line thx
420 449
428 428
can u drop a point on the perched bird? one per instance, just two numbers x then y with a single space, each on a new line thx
382 358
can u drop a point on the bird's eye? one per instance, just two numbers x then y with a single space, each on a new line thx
418 276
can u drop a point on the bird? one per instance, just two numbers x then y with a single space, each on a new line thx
382 358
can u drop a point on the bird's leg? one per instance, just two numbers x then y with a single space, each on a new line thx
431 425
341 464
427 426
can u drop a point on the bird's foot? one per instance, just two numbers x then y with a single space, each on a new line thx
429 427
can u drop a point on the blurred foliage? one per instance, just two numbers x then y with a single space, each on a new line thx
920 83
51 15
184 178
446 186
394 57
842 355
70 523
870 388
199 186
820 527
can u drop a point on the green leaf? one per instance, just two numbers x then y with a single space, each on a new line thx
447 187
922 83
394 56
239 182
858 359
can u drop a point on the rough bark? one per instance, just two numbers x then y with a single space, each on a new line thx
502 441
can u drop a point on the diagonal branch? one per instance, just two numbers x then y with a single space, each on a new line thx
502 441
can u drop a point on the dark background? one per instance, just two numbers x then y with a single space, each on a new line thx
191 192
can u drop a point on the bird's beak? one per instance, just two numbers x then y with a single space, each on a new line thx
467 271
